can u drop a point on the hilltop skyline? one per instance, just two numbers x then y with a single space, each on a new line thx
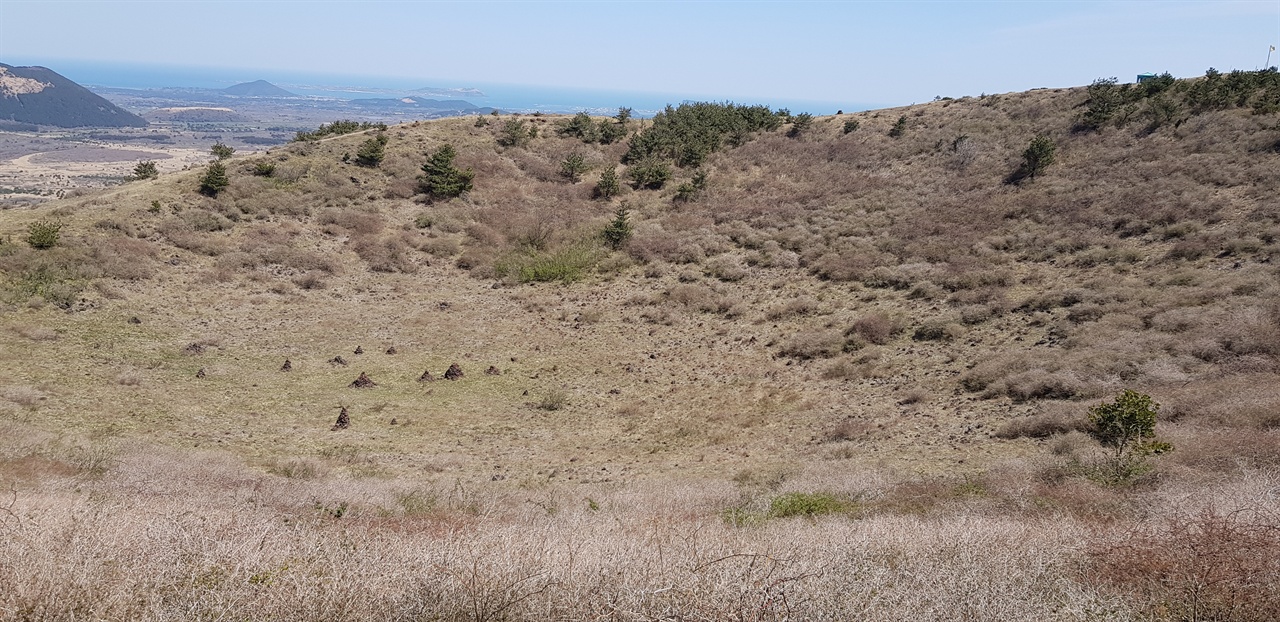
874 53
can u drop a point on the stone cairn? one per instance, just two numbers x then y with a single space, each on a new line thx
453 373
344 420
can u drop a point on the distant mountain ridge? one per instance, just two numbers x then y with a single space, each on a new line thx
44 97
257 88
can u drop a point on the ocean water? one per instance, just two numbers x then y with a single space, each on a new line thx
507 97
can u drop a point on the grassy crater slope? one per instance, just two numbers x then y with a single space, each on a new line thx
799 302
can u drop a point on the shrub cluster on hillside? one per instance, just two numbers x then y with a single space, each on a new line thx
689 133
338 128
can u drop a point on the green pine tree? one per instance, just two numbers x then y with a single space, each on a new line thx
441 179
214 179
372 151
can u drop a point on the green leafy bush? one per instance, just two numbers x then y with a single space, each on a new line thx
850 126
566 264
807 504
43 234
1127 426
615 130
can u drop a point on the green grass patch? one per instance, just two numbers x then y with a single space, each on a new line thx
792 504
566 264
807 504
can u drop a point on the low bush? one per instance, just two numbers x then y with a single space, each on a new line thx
555 399
43 234
1211 566
814 344
877 328
807 505
567 264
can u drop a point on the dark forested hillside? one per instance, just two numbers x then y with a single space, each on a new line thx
43 97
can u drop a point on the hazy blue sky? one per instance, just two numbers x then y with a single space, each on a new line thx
887 53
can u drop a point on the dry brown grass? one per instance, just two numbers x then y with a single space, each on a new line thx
304 545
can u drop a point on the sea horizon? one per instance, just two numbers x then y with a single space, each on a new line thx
502 96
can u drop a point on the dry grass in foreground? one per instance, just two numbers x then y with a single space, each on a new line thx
140 533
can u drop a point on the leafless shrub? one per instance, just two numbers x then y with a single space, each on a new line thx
401 188
653 244
1211 566
124 258
885 277
1049 419
351 221
309 281
442 247
181 234
1190 249
877 328
914 395
725 269
1039 384
964 150
1087 312
387 253
848 430
1249 401
938 330
701 297
975 314
813 344
299 468
798 307
982 376
1224 450
926 290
